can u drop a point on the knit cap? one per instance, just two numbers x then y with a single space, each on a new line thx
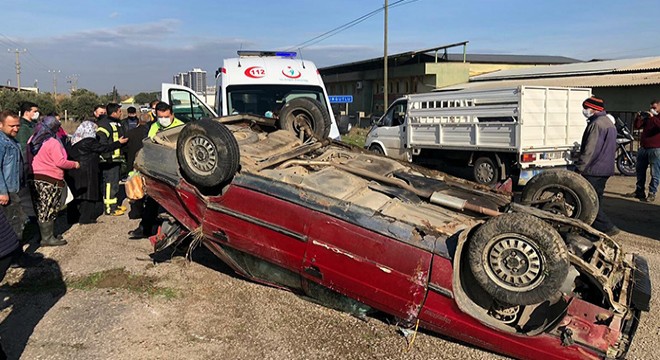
594 103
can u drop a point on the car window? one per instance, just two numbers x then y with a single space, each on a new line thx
186 107
260 99
395 115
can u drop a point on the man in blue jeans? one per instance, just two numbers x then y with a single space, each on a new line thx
648 154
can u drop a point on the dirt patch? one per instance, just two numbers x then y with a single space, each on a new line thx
119 278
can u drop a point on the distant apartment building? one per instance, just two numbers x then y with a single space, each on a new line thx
194 79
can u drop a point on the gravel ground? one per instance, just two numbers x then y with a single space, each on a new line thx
200 310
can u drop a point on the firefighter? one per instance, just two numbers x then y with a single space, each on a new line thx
110 130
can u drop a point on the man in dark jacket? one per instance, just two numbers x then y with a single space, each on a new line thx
29 117
109 131
597 153
131 121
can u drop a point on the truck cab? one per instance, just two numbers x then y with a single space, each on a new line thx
388 135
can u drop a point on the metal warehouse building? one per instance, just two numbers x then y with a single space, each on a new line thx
626 85
419 71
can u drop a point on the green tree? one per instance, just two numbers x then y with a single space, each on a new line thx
11 100
80 104
145 98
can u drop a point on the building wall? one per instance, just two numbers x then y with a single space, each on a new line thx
627 98
478 69
367 86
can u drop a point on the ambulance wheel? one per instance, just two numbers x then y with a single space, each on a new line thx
304 115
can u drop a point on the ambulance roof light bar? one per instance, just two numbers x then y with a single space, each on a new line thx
285 54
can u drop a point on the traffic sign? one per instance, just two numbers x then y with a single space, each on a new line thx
340 99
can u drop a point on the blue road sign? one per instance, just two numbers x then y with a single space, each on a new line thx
340 99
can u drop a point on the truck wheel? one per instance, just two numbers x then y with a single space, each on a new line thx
208 153
486 171
562 192
518 259
377 149
298 114
625 166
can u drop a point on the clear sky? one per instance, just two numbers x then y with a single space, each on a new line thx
136 45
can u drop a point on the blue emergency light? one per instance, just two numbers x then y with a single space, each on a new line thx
286 54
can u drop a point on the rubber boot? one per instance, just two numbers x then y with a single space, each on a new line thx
47 238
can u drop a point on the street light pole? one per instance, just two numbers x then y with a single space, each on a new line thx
385 90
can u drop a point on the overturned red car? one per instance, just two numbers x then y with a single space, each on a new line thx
362 233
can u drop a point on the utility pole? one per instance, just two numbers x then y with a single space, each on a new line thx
385 90
73 80
18 66
54 72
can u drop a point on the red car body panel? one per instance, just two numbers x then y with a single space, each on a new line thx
386 274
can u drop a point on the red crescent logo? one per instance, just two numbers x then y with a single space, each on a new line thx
291 73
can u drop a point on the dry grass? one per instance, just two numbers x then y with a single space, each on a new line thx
70 126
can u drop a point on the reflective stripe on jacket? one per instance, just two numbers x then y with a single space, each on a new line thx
156 128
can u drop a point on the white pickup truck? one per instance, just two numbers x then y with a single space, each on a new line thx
501 132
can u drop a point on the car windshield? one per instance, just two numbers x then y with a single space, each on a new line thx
262 99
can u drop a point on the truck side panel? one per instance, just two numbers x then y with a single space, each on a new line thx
551 118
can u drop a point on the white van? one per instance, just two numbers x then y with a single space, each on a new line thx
256 82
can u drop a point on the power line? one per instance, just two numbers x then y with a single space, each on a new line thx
348 25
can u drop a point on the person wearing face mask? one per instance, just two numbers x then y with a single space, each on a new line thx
596 160
150 208
99 113
109 131
164 119
29 119
152 111
648 154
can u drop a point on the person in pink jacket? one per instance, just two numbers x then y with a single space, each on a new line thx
48 160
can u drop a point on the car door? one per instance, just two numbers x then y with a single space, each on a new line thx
186 105
391 130
382 272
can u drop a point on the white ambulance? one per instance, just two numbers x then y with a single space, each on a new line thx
256 82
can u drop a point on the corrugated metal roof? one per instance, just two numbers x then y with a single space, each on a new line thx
513 59
576 69
609 80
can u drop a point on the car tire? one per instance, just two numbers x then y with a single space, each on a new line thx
208 153
572 194
308 111
486 171
377 149
518 259
626 167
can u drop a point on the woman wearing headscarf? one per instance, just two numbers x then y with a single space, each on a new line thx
49 160
85 181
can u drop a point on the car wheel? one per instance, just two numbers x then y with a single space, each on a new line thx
562 192
208 153
485 171
377 149
300 114
518 259
625 166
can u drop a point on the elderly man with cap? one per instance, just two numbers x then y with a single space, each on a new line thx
597 152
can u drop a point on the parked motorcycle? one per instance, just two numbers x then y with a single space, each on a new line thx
625 159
